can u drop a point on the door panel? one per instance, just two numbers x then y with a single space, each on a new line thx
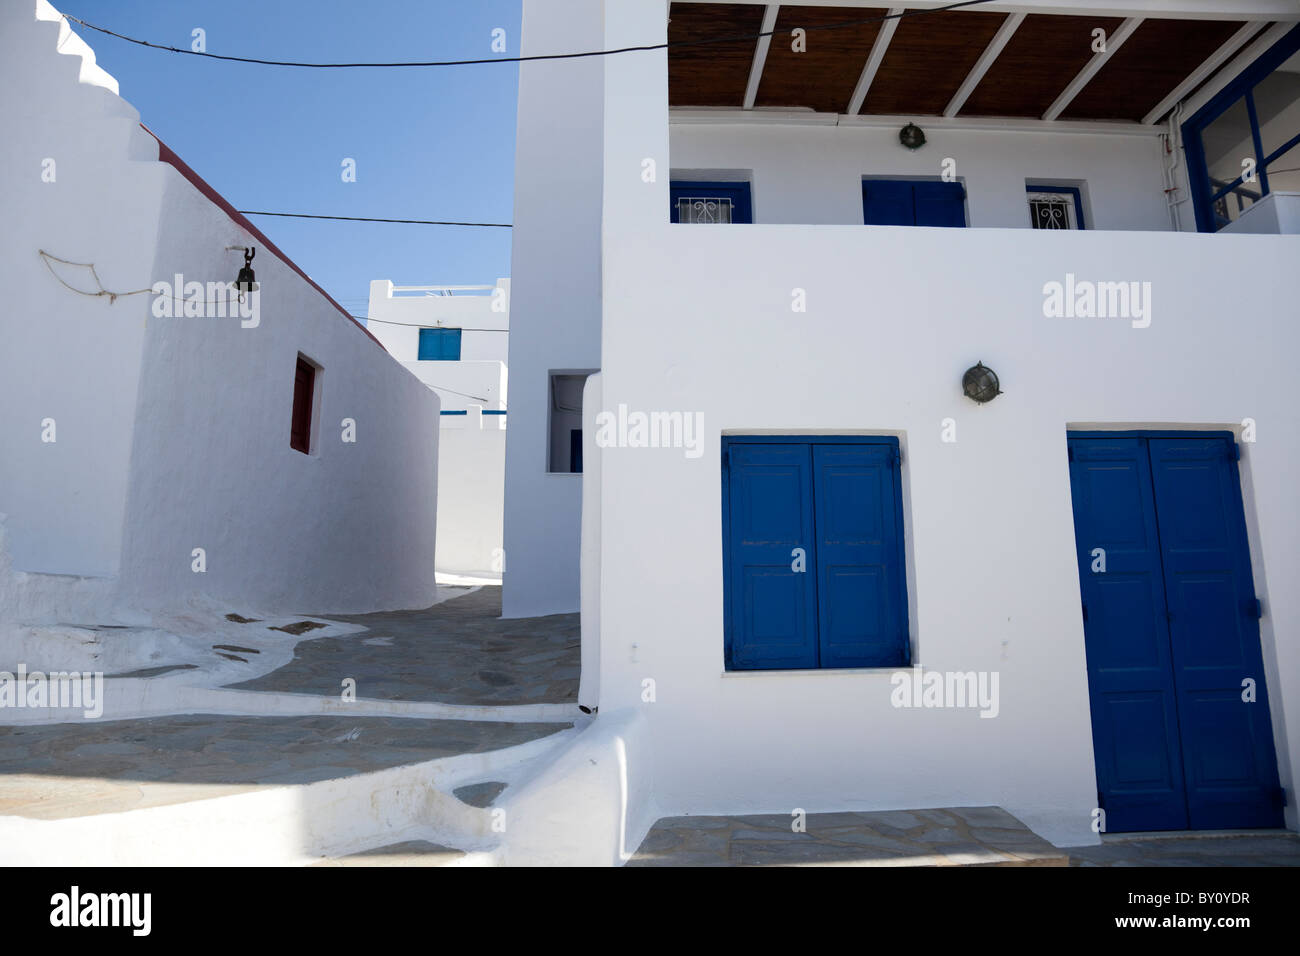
1174 610
857 557
773 608
1130 675
1230 762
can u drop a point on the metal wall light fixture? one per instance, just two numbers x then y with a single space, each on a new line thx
980 383
911 136
247 281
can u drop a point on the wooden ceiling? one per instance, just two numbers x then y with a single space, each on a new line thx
927 59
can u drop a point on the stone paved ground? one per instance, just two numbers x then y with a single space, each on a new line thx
456 652
1253 849
55 770
985 836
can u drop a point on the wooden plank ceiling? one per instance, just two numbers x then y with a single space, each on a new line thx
928 58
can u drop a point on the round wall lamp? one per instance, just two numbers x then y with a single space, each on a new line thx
911 136
980 383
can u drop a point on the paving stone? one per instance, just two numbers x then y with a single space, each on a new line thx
409 853
855 839
1279 849
459 651
107 766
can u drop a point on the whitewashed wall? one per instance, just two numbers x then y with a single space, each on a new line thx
699 320
173 433
67 357
555 293
471 492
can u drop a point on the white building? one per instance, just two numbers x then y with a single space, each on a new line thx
454 339
759 596
158 446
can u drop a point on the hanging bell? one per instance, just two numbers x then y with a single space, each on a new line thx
247 282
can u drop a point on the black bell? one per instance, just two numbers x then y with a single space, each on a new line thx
247 282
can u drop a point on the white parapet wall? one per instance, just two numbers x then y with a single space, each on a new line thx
135 440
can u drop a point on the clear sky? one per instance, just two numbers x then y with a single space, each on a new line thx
429 143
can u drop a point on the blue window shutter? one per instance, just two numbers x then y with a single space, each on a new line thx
940 204
439 345
887 202
861 591
771 607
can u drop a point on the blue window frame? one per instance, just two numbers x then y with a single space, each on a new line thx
439 345
904 202
1042 216
813 565
703 202
1236 103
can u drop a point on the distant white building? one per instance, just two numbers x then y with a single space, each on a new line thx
454 339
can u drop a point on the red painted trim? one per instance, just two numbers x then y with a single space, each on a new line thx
165 155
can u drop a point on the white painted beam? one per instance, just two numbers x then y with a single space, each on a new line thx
874 60
1212 63
986 60
1113 43
760 54
730 116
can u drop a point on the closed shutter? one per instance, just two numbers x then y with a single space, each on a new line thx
897 202
843 601
304 385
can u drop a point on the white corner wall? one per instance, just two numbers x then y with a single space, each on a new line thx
894 315
555 293
77 180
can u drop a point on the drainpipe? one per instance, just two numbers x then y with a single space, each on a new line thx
1173 146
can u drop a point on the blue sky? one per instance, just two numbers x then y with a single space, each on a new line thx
429 143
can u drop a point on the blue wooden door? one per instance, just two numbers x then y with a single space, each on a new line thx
1130 672
772 607
860 591
1228 758
1169 635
